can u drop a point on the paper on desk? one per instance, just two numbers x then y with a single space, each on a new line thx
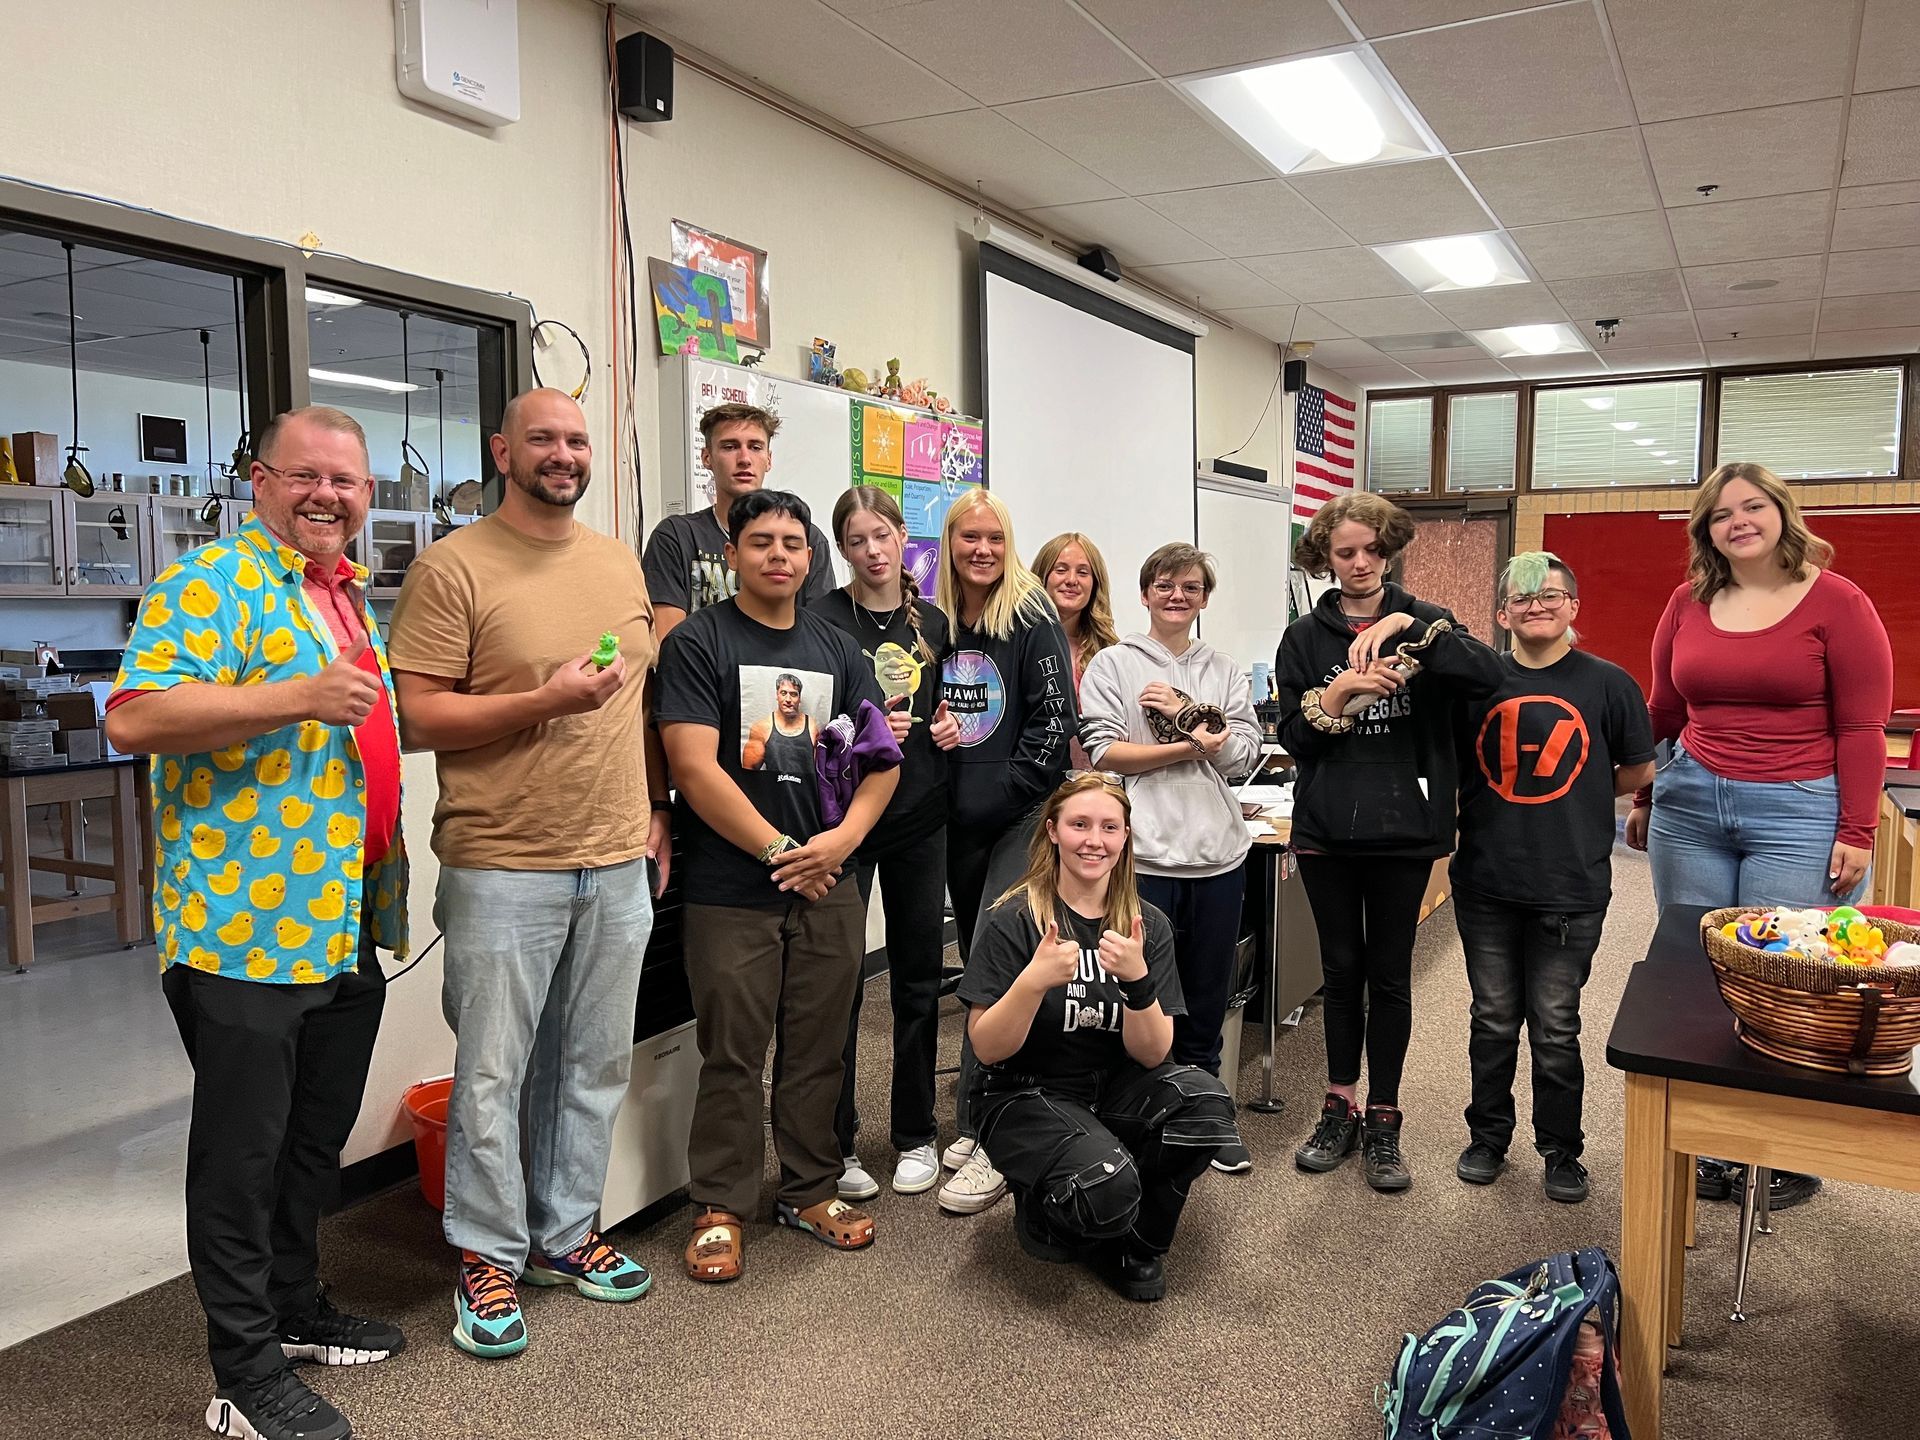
1258 828
1276 798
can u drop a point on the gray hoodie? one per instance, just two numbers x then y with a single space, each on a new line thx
1186 823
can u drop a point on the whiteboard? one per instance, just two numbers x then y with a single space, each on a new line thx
1247 528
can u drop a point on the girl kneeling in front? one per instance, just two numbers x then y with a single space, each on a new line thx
1073 992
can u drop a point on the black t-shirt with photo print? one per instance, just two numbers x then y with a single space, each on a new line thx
685 563
1076 1030
767 692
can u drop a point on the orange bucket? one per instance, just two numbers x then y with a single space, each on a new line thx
426 1107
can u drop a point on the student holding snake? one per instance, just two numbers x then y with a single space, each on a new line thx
1175 717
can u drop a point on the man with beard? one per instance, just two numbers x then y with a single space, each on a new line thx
686 557
552 800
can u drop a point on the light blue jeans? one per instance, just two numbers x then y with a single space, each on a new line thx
542 972
1719 842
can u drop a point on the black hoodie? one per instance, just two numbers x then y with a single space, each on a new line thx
1015 704
1387 787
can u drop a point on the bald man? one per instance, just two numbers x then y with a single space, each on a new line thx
553 799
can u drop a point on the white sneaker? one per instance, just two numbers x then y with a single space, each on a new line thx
917 1170
958 1153
855 1182
975 1186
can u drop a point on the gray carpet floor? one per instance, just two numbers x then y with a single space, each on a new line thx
1287 1296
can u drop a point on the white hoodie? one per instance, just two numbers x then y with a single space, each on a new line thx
1186 822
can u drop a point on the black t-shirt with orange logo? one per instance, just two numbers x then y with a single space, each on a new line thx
1536 782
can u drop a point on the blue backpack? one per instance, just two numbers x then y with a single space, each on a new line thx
1497 1368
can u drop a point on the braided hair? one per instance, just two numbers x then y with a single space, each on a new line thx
872 497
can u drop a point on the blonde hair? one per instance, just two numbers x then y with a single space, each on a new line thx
872 498
1015 598
1709 571
1388 521
1094 631
1041 884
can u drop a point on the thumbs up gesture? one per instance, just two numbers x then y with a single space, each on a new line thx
1124 957
343 693
1055 961
945 730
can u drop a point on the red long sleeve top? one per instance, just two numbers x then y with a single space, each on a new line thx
1804 698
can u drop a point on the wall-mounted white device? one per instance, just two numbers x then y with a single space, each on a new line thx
462 56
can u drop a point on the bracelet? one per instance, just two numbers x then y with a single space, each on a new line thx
663 805
779 845
1320 719
1140 994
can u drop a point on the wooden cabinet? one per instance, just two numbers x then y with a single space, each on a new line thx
175 527
33 540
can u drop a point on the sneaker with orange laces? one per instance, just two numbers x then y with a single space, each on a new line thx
594 1268
486 1310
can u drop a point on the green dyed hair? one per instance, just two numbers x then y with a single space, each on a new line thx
1527 572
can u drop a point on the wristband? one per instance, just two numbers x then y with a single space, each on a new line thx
663 804
776 848
1140 994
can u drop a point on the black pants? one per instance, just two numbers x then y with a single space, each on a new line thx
278 1072
1106 1156
1366 911
1206 929
912 880
1526 964
980 868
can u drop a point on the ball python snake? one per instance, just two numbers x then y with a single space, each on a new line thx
1405 660
1192 716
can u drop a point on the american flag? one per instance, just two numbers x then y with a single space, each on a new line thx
1323 450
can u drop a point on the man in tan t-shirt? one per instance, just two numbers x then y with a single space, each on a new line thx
543 830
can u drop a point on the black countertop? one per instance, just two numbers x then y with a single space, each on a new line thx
9 772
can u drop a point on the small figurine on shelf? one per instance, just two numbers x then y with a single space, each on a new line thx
821 369
915 392
855 379
890 387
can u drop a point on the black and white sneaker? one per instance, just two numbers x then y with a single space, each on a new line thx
278 1407
1232 1158
333 1337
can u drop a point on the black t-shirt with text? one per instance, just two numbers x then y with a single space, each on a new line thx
1076 1030
685 563
1536 782
767 692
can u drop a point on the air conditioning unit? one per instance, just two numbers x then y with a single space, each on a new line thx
462 56
648 1161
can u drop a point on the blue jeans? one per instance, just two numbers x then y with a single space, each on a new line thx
1759 843
542 972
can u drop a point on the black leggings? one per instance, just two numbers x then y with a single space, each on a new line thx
1366 910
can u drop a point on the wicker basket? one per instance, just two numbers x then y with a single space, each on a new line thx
1849 1019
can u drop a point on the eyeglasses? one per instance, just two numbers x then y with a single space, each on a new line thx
1105 777
1193 590
1548 600
305 481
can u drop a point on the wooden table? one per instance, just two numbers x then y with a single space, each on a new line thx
119 781
1896 843
1694 1089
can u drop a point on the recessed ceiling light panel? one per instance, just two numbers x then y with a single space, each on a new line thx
1456 262
1320 113
1531 341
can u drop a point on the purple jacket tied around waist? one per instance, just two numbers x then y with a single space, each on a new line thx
848 750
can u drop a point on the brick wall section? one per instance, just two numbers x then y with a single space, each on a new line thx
1530 512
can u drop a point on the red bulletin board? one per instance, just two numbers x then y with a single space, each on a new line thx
1629 562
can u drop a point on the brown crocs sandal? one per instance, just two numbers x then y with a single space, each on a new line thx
716 1252
831 1222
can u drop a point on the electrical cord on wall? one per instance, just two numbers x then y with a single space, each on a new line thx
1278 377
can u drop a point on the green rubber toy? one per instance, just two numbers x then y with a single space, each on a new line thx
608 650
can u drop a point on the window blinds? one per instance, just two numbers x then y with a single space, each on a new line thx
1808 425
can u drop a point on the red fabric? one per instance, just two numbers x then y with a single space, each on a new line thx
1801 699
333 596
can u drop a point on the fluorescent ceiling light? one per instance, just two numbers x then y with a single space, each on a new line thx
331 297
1597 402
1314 114
1531 341
1626 424
1456 262
363 382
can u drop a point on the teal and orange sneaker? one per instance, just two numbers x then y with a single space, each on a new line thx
486 1310
594 1268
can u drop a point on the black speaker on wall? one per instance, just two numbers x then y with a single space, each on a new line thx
643 67
1293 375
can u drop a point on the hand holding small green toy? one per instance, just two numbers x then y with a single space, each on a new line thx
607 651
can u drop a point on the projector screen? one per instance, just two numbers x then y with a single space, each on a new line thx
1091 417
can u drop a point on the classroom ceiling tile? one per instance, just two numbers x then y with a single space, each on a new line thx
1555 367
1752 322
1500 305
1143 138
1261 217
1795 278
1636 332
1570 179
823 60
1860 197
1876 227
1880 131
984 147
1512 78
1177 39
1596 297
1385 377
1312 325
1654 357
1778 150
1752 229
1463 372
1889 46
1869 312
1766 351
1342 353
1874 272
1853 344
1611 245
1388 315
1137 235
1376 204
1000 51
1276 322
1440 345
1351 272
1686 57
1218 284
1393 17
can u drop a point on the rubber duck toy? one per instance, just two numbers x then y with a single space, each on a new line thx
607 651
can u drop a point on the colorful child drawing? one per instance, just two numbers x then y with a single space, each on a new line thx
688 305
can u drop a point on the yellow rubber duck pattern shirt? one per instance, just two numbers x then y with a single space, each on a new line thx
260 850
